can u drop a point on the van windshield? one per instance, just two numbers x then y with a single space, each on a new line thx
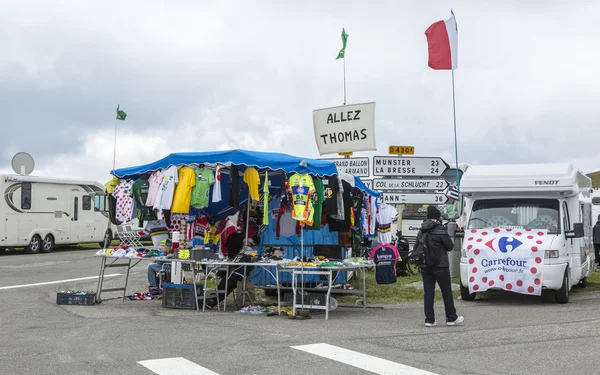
515 213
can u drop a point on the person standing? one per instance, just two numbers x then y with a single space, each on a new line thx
597 242
440 243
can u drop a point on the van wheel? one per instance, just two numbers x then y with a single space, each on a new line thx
562 295
48 244
465 295
107 240
35 245
582 283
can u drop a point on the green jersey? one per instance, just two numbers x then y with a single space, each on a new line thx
140 194
204 179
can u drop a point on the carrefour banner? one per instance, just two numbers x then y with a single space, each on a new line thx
510 259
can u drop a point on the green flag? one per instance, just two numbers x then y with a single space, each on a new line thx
121 114
343 50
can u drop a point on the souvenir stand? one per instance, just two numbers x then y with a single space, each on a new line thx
192 192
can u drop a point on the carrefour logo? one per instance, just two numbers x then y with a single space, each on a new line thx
504 244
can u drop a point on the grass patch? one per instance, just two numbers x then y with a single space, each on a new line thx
593 284
394 293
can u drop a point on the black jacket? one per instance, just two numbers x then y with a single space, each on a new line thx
441 240
597 233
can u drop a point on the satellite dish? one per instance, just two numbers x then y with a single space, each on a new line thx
23 163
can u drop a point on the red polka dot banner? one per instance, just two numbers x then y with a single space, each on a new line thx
505 258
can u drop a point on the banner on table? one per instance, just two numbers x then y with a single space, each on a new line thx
509 259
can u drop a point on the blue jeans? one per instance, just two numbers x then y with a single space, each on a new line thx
442 277
153 268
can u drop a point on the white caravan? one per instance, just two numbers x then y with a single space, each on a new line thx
514 195
38 213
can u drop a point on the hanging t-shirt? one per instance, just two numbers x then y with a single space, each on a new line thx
301 187
368 216
154 181
112 201
234 189
252 178
124 209
336 225
186 180
317 200
265 219
385 257
330 191
140 193
286 225
164 197
385 215
211 236
216 195
204 178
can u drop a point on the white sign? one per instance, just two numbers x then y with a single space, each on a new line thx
409 184
408 166
368 183
345 129
354 166
414 198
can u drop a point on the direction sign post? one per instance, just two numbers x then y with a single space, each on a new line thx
411 184
358 166
393 166
414 198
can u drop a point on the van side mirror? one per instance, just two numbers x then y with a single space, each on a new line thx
577 231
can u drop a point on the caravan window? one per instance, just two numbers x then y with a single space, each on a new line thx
86 203
100 203
26 195
515 213
566 217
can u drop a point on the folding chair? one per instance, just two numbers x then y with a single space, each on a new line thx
124 237
134 237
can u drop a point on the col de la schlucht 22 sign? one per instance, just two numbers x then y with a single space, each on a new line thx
345 129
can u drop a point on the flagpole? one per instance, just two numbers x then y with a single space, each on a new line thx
115 147
344 78
455 140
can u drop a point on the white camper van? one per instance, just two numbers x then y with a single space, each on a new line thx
555 197
38 213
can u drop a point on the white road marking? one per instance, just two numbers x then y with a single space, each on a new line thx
56 282
363 361
175 366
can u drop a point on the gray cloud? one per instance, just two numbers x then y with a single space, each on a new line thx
236 74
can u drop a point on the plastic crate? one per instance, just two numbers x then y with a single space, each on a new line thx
180 296
75 299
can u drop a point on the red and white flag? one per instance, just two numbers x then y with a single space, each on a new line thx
442 38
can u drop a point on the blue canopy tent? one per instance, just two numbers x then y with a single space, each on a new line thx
279 166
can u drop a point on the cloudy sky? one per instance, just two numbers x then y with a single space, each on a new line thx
201 76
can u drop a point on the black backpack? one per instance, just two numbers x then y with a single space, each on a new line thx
424 254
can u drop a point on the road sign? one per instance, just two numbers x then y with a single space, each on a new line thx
401 150
391 166
347 154
409 184
355 166
414 198
368 183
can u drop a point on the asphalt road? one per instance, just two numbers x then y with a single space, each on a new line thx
503 334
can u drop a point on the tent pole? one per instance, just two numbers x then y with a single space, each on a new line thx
247 221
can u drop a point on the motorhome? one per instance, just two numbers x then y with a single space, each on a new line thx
555 199
39 213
